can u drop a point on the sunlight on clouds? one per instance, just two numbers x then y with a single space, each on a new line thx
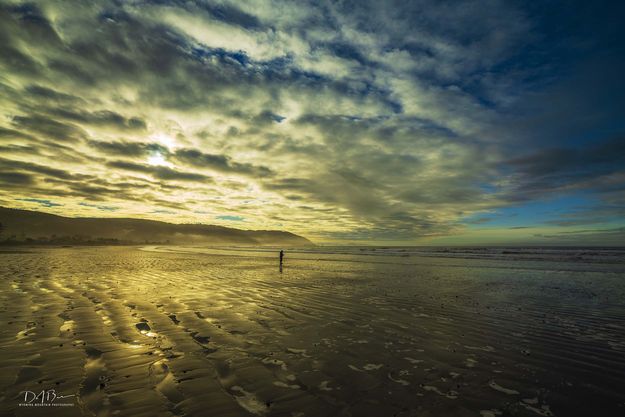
215 34
343 121
165 140
158 159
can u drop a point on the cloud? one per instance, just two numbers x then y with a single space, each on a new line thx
14 134
220 163
603 237
129 149
590 167
44 93
105 118
393 121
15 179
36 168
49 128
163 173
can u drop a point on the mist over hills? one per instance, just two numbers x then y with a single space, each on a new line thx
25 226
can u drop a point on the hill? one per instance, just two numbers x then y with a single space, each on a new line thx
24 226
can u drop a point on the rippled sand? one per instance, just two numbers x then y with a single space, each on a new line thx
169 331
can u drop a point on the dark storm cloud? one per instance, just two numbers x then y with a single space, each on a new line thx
9 149
299 184
96 189
160 172
596 159
220 163
38 169
101 190
72 72
431 193
558 168
96 192
27 20
361 196
128 149
44 93
391 230
12 133
190 157
49 128
100 118
14 60
15 179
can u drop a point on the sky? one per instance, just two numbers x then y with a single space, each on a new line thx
349 122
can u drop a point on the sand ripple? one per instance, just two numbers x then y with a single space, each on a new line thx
125 332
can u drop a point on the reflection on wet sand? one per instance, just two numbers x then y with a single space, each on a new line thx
167 332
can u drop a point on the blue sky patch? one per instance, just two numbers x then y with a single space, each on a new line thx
42 202
231 218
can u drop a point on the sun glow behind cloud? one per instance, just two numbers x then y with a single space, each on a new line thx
165 140
158 159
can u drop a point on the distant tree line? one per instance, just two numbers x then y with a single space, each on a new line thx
54 240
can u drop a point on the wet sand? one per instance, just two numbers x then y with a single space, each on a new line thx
190 332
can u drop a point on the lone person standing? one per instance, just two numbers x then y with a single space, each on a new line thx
281 258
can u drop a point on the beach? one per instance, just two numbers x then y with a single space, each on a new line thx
193 331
